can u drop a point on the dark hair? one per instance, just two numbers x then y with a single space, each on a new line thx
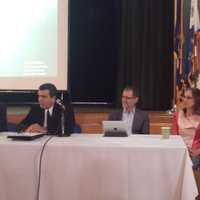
133 89
196 95
50 87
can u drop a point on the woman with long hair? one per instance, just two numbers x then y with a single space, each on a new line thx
186 123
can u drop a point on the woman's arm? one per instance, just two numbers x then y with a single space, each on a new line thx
194 152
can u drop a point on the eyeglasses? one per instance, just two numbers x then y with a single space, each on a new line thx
187 97
128 98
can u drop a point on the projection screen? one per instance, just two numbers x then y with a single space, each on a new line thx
33 43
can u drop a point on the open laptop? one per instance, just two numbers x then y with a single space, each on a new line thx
25 136
114 129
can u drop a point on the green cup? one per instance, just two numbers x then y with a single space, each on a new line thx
165 131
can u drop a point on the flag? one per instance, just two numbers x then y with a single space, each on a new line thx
178 49
192 44
186 45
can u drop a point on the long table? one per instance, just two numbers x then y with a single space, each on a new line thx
92 167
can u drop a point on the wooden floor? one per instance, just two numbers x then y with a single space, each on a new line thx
91 122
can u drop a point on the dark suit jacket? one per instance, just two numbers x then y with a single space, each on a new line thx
140 123
3 118
36 115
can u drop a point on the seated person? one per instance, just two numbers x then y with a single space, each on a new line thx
186 123
137 120
46 117
3 118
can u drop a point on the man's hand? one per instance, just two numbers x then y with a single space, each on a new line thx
36 128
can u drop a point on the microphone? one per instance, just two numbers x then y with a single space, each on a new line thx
59 102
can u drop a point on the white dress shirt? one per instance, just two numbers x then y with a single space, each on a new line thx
128 117
46 114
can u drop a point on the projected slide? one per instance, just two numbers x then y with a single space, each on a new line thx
29 38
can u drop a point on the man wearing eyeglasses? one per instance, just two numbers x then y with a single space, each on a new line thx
137 120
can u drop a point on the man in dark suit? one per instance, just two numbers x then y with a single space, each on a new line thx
3 118
46 117
137 120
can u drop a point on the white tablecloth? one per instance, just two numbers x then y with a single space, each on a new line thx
91 167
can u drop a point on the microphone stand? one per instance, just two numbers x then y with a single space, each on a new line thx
62 118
